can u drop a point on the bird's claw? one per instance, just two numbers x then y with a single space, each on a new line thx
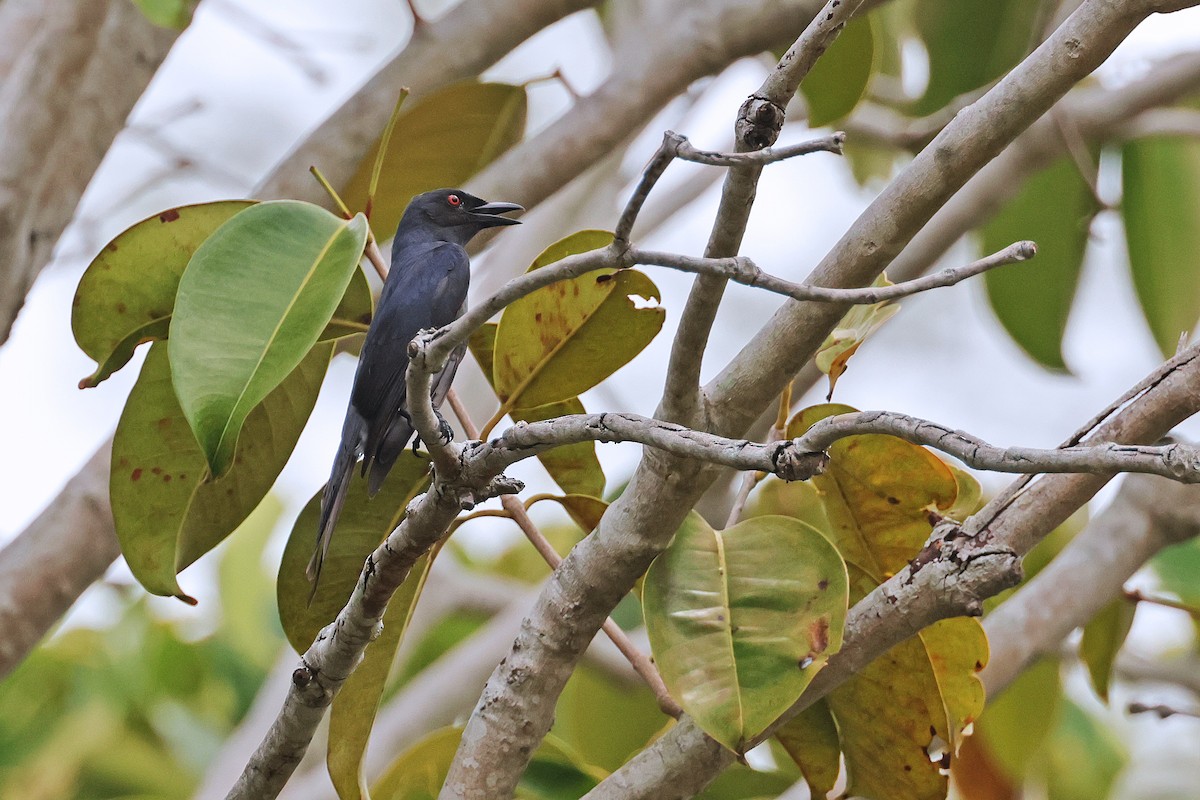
444 429
445 432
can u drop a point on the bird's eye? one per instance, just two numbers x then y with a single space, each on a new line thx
454 200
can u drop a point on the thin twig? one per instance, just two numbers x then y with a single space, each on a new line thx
1162 711
743 270
640 662
768 155
1138 597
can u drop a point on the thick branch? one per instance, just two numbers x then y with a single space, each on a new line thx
758 124
61 553
969 564
339 647
62 104
1147 515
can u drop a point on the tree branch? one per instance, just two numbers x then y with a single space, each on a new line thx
340 645
758 124
516 709
62 552
959 568
61 106
1147 515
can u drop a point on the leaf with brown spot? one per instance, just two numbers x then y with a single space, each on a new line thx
736 623
127 294
877 491
574 467
589 328
165 512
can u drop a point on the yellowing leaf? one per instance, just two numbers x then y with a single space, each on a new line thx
811 740
440 140
861 321
574 467
884 724
565 338
741 620
877 492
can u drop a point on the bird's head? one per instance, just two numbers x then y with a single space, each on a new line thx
453 215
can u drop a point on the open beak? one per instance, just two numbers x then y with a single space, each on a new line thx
489 213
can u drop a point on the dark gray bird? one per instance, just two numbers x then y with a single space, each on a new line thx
426 287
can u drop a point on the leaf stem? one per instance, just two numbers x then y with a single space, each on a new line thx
384 141
640 662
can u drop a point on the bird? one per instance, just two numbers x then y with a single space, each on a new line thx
426 287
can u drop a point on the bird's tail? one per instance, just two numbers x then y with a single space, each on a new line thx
335 495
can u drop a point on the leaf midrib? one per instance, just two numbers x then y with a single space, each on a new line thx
275 333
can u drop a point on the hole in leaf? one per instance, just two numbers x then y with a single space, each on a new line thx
640 302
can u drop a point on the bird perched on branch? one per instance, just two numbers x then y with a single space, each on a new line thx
426 287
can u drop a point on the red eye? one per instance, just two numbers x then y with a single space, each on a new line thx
454 200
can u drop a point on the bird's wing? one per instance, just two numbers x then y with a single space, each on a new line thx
429 293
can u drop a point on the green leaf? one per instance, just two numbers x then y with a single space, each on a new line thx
575 467
175 14
248 617
971 43
355 706
1160 206
254 299
361 527
1178 570
1084 757
565 338
127 293
608 718
364 523
419 772
811 740
1103 637
1033 300
878 491
741 620
1014 737
165 511
839 79
440 140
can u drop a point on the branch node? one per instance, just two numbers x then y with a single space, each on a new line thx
793 464
759 122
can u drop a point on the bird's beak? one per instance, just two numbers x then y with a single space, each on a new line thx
488 213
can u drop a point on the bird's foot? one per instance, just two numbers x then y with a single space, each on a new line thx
445 432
